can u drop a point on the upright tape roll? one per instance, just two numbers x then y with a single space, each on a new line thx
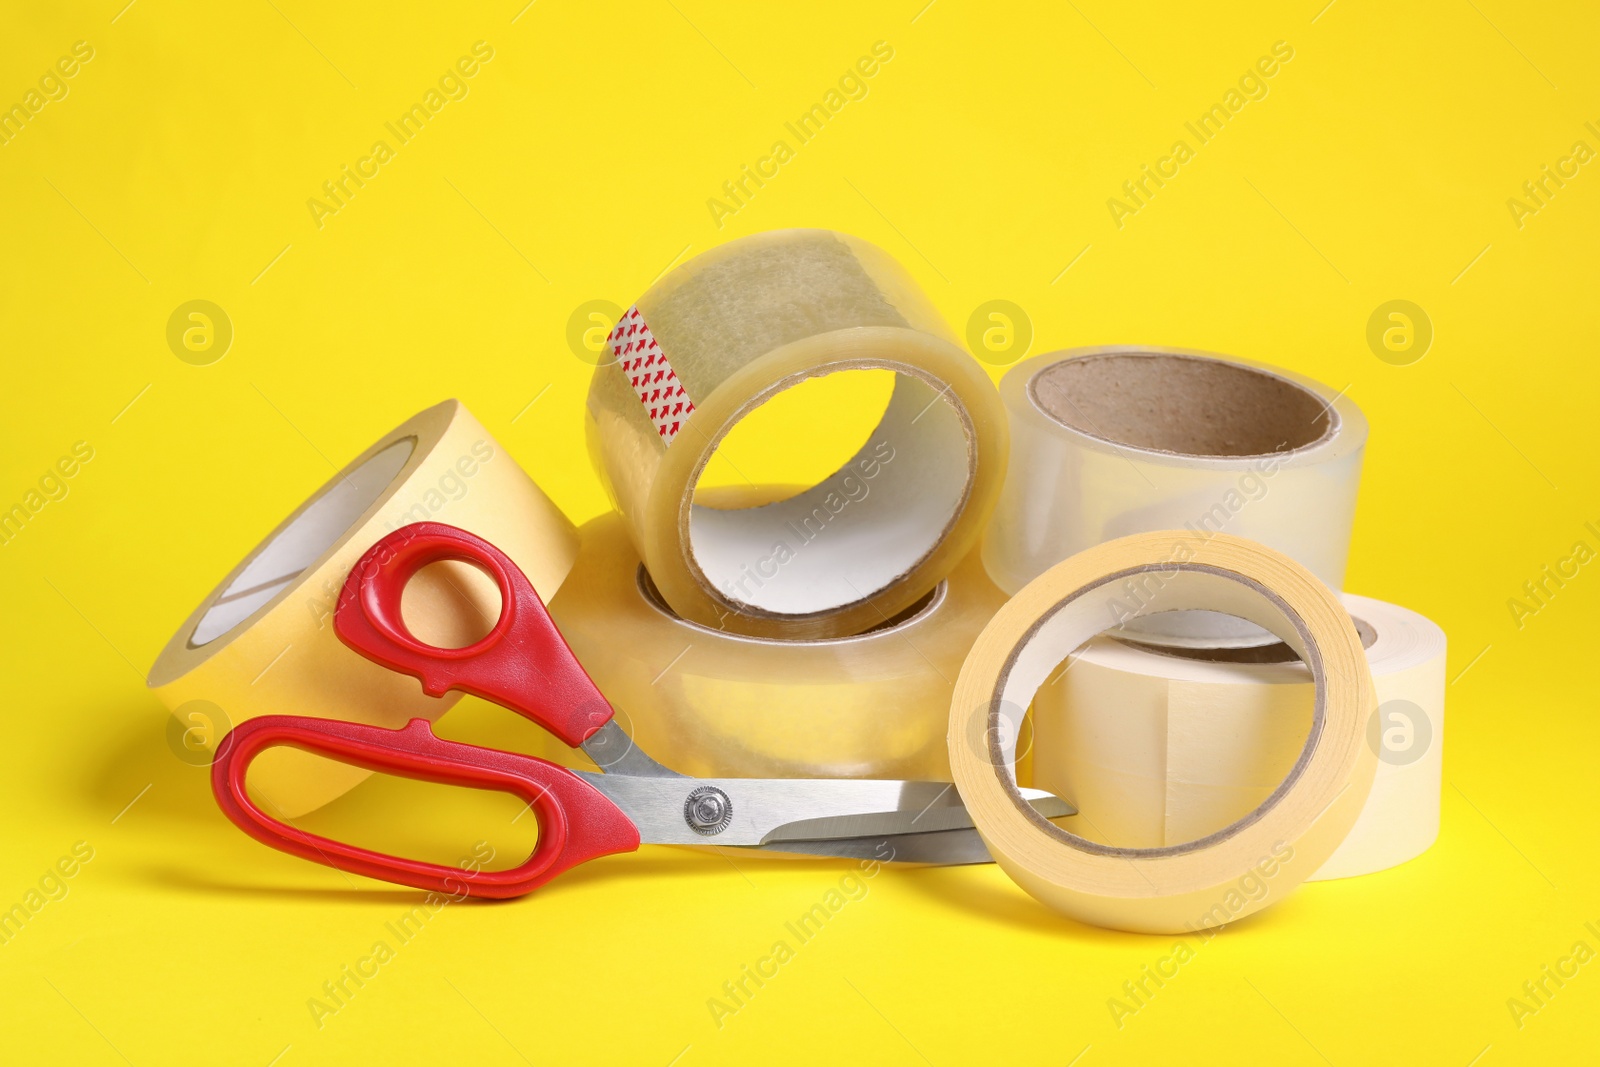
1241 868
1112 441
263 643
732 328
1160 747
715 704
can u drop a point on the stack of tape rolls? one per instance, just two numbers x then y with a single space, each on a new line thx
1237 869
720 335
1112 441
1171 528
263 642
718 704
1158 746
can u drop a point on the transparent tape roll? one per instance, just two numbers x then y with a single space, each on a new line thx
1158 747
262 641
716 704
1240 868
1112 441
732 328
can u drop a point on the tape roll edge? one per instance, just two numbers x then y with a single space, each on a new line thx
670 561
238 672
1046 865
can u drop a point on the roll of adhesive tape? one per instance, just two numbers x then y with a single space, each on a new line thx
1241 868
1161 746
716 704
729 330
1112 441
263 643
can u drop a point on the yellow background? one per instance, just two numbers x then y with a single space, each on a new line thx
578 168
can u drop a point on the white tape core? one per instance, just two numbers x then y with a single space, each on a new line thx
924 607
856 531
301 542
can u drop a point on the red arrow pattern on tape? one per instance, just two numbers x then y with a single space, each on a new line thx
652 377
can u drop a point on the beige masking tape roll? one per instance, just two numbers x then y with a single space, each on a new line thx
1241 868
1160 746
716 704
1112 441
729 330
263 643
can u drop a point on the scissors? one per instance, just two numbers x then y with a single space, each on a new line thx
524 664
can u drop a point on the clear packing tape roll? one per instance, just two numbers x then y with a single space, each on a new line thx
1241 868
715 704
730 329
1112 441
262 642
1158 748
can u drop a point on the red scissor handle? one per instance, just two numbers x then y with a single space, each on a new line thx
523 663
576 821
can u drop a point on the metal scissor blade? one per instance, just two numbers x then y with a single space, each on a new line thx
947 848
947 813
613 750
749 811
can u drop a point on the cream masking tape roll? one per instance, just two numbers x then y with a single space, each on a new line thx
1241 868
715 704
1112 441
263 643
729 330
1158 747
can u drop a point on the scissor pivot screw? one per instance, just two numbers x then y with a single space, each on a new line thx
708 810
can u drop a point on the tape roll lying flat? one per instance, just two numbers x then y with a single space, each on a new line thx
1157 748
729 330
263 643
1241 868
716 704
1112 441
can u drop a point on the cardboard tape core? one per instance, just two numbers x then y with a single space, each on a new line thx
1179 404
1107 442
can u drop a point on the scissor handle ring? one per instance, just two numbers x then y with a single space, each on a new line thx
377 584
576 821
523 663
